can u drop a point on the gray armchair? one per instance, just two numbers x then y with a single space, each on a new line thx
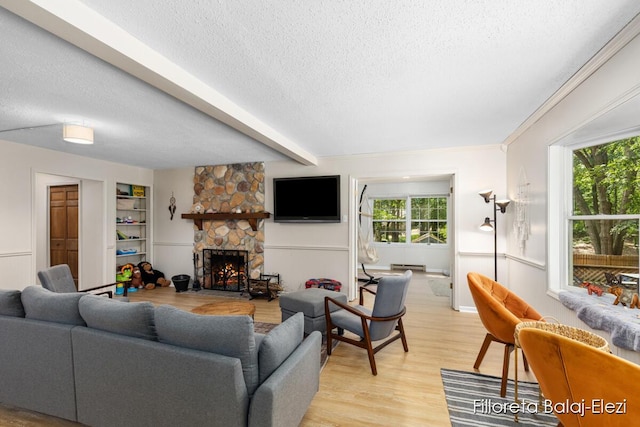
59 279
374 324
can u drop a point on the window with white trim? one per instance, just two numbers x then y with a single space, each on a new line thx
423 219
599 233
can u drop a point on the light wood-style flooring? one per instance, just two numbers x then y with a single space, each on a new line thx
407 390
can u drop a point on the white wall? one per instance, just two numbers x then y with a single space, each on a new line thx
173 238
20 167
303 251
93 234
297 251
616 81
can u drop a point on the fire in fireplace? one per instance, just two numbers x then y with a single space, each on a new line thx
225 270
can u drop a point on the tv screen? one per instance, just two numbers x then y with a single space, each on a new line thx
306 199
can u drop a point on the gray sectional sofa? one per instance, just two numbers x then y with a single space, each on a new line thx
102 362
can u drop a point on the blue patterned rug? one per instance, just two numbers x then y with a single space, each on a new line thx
474 400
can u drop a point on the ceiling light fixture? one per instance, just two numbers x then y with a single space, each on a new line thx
77 134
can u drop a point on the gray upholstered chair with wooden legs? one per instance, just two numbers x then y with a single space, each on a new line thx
58 278
379 323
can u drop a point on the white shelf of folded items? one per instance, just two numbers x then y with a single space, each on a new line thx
131 224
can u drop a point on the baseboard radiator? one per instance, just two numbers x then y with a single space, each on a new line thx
414 267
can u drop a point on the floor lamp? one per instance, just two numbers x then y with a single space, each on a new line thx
490 224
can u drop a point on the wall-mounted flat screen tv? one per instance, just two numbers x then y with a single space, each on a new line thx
307 199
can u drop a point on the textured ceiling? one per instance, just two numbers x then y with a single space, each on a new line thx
330 77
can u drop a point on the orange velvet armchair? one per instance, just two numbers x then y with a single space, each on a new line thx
500 310
586 386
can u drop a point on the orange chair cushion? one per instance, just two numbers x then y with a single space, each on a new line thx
500 310
574 372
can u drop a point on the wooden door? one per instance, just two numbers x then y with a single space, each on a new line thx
63 227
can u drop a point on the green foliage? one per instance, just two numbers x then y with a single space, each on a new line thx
390 209
428 220
605 179
389 220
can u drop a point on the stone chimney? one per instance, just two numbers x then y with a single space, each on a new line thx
232 188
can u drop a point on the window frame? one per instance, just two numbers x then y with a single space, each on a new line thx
411 220
399 221
408 219
560 210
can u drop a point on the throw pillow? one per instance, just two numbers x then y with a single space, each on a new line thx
11 303
42 304
133 319
279 343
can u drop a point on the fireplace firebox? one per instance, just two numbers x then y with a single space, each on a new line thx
225 270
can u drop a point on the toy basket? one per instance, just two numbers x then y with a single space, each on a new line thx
577 334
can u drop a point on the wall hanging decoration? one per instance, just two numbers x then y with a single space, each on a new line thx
172 206
521 225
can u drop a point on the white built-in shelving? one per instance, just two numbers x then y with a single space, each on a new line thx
132 223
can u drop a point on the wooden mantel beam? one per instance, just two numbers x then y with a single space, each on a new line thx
251 217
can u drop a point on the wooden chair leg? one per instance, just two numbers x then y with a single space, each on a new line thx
483 350
329 327
372 360
400 328
508 348
367 340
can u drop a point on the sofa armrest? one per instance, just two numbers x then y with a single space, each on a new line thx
283 399
36 368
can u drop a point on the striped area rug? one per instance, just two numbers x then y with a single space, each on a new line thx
474 400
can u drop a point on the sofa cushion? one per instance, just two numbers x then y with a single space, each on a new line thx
279 344
231 336
42 304
11 303
133 319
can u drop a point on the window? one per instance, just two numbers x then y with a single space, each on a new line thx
429 220
389 220
423 219
601 224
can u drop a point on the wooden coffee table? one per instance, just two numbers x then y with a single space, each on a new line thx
226 308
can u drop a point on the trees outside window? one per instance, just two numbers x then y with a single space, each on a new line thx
429 220
389 219
606 209
422 219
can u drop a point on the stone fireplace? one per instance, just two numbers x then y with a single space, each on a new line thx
225 270
235 189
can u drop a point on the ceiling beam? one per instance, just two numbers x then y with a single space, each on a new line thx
81 26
